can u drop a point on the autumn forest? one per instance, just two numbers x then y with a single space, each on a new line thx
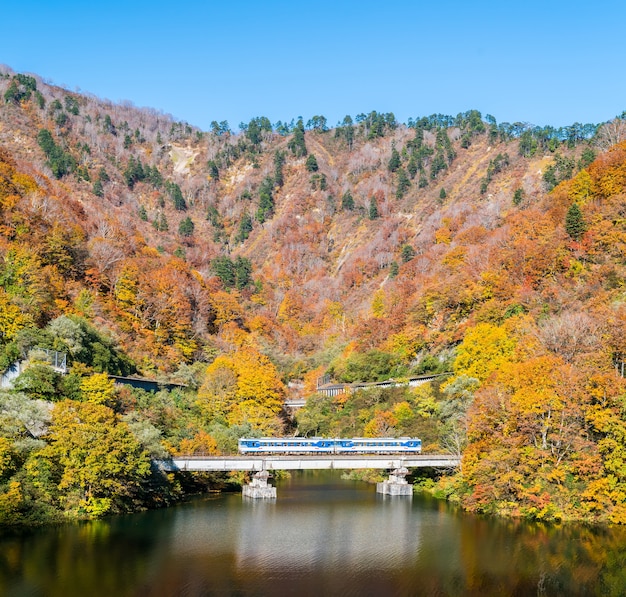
240 266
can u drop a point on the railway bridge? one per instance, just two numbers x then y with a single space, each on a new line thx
261 464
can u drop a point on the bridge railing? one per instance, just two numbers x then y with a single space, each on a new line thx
334 389
313 462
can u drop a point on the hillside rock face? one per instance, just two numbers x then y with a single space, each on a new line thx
366 233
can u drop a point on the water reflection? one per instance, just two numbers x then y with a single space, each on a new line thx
323 536
310 535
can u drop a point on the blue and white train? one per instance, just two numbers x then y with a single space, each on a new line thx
317 445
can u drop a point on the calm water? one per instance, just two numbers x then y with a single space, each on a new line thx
323 536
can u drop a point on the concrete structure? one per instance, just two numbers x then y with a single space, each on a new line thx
334 389
258 487
9 376
321 461
55 359
396 484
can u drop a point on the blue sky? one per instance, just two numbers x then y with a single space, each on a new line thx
543 62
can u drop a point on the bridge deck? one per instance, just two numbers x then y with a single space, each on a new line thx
278 462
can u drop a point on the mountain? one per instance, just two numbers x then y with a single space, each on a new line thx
374 249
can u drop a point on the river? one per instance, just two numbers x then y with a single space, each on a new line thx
323 536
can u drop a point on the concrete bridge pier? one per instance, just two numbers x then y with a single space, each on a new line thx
396 484
258 487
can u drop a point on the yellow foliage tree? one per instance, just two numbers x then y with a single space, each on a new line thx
378 303
12 320
201 444
242 386
382 425
98 389
485 348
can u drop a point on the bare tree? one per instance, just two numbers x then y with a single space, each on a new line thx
611 133
570 334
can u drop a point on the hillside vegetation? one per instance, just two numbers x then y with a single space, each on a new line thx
245 265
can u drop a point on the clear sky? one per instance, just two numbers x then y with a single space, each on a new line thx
539 61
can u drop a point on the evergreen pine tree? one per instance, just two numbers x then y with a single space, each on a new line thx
347 202
373 209
97 189
245 228
279 162
394 161
243 270
407 253
297 144
403 183
574 222
186 227
311 163
266 200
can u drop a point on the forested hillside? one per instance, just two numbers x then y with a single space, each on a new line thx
245 264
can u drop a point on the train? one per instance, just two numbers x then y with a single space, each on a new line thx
322 445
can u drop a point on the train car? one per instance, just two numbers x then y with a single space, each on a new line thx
286 445
316 445
379 445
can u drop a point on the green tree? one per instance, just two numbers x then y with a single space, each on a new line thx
394 162
243 272
40 381
587 157
71 105
12 94
373 209
266 200
404 184
98 189
518 196
134 172
59 161
214 172
528 144
318 123
311 163
245 228
176 195
254 129
413 166
442 193
297 145
374 365
279 162
437 165
407 253
224 269
186 227
574 222
347 201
